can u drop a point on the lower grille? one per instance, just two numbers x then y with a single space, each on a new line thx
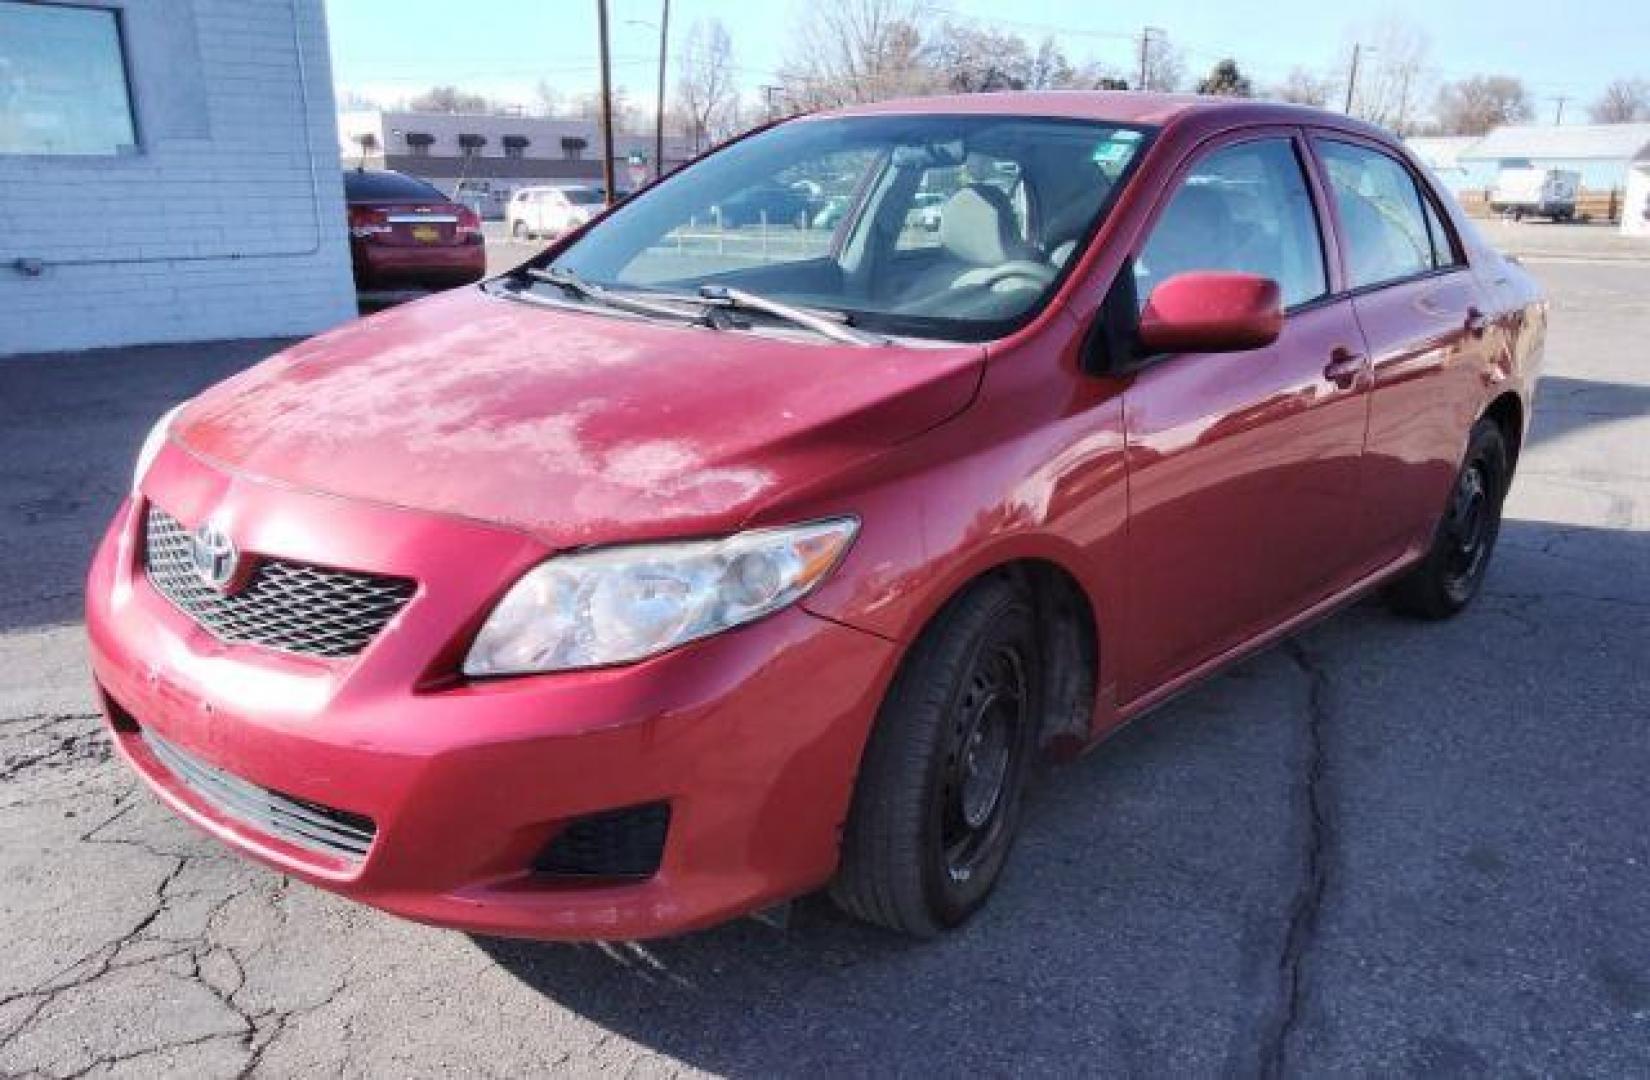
626 843
290 606
321 829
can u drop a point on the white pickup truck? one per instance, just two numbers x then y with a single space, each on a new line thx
1532 192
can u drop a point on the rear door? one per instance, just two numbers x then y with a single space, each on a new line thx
1243 467
1424 319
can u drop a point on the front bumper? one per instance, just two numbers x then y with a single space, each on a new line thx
752 737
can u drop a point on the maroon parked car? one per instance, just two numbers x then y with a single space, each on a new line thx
403 233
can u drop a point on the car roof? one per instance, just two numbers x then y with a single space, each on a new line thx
1114 106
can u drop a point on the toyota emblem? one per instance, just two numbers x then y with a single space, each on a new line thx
214 556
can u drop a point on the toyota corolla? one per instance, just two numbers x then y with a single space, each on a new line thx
691 567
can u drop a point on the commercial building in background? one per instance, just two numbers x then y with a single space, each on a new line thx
1612 161
1442 155
1604 154
481 158
169 171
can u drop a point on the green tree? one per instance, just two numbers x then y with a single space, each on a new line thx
1225 80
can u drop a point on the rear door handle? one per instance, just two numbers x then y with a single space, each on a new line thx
1477 322
1343 367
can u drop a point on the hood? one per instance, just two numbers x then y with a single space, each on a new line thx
579 428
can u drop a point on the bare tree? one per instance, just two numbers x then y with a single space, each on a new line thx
858 50
547 99
705 92
1165 66
448 99
973 60
1050 70
1302 87
626 117
1623 102
1394 74
1474 106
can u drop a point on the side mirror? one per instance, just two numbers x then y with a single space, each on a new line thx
1211 311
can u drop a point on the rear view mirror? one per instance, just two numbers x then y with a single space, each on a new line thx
1211 311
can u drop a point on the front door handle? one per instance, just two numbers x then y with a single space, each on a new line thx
1344 366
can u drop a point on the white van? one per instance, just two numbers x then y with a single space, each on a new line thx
1532 192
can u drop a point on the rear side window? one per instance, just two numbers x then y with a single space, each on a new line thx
1443 251
1244 208
366 186
1381 213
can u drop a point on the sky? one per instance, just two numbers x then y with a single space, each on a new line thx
390 49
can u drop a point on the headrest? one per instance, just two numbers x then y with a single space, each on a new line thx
977 226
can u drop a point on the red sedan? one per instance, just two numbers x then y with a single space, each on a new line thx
405 234
682 571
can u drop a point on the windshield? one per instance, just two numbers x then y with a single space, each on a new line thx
954 227
582 196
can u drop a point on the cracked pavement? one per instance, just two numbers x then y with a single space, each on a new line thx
1384 847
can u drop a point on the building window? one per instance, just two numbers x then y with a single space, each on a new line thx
515 146
63 86
418 143
470 145
572 147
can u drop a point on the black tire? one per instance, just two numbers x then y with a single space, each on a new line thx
1445 582
520 232
940 789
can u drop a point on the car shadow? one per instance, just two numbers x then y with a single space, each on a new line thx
1565 405
1144 916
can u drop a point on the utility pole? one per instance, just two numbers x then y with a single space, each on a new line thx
770 95
1352 78
1558 115
1146 33
608 186
659 109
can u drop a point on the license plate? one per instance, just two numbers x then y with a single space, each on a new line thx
428 234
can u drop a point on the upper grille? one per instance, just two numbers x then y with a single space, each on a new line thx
301 823
284 605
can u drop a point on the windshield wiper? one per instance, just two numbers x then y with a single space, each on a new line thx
722 296
576 285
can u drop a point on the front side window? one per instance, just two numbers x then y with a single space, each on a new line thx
1381 215
954 227
63 82
1243 208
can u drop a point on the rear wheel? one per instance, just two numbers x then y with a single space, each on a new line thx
1446 581
940 790
519 231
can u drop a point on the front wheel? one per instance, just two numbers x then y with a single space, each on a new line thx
1446 581
520 232
938 801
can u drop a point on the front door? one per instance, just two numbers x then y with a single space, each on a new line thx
1243 467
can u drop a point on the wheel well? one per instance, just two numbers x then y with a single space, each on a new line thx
1070 641
1508 413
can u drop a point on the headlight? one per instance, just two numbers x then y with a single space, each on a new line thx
152 443
618 605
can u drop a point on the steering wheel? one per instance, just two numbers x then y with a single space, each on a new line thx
1040 275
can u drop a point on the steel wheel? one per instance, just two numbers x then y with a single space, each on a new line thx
940 789
986 739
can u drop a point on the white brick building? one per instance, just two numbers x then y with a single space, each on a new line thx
211 207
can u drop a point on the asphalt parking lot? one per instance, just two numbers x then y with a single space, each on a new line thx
1383 847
